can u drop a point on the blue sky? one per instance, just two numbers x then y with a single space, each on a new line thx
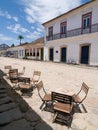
25 17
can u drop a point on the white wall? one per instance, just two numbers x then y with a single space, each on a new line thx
20 48
73 48
74 19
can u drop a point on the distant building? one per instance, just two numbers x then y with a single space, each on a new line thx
3 48
35 49
73 36
17 51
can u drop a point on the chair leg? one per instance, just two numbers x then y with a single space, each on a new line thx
54 117
42 105
64 119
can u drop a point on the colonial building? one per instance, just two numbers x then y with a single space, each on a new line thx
73 36
3 48
17 51
34 50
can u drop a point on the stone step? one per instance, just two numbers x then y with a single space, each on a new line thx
17 125
2 91
3 95
9 116
6 107
5 100
42 126
2 87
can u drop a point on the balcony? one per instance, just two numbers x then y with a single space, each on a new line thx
74 32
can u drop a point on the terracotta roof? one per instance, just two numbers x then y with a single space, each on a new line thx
37 43
39 40
68 12
22 44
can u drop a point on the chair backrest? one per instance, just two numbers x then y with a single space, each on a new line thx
37 73
83 92
13 73
23 70
7 68
62 98
41 90
36 76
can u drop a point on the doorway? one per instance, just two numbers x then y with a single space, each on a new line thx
51 51
63 54
85 54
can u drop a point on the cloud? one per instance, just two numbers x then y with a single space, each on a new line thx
33 27
30 19
44 10
17 28
4 39
8 16
5 14
40 11
15 19
34 35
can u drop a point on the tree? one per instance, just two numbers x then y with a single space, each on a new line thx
20 37
12 45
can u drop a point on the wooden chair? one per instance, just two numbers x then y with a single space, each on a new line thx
36 77
45 97
25 86
13 76
22 72
81 95
7 68
63 105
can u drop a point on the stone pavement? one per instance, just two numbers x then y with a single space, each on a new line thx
64 79
15 114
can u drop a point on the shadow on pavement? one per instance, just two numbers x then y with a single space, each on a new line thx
29 115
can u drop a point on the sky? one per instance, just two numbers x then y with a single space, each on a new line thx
25 17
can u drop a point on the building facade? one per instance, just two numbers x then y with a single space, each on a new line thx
73 36
16 52
35 49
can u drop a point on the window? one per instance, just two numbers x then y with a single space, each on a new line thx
33 52
37 52
63 28
30 52
22 52
19 52
50 31
27 52
86 20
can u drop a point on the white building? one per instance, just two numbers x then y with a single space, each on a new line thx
17 51
35 49
73 36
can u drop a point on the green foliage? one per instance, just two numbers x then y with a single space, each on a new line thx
20 37
12 45
25 57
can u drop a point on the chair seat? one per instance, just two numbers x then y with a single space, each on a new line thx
35 80
47 97
25 86
14 80
62 107
20 73
76 98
